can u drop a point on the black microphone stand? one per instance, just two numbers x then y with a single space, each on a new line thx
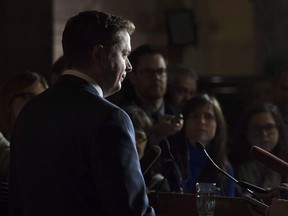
250 188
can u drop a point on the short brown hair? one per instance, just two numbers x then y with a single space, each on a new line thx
89 28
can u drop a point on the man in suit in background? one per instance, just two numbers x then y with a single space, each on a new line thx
72 151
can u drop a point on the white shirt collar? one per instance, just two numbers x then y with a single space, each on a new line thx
87 78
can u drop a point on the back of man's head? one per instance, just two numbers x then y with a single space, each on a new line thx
88 29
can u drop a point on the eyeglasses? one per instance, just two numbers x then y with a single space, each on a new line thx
268 128
162 72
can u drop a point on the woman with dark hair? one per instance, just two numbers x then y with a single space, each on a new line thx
204 122
143 127
16 92
261 124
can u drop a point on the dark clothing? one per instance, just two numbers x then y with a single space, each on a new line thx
166 107
155 138
73 153
196 167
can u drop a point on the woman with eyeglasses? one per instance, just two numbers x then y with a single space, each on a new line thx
261 125
142 124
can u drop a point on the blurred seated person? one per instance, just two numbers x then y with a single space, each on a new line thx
260 125
16 92
57 69
149 80
260 89
280 91
143 126
182 85
204 122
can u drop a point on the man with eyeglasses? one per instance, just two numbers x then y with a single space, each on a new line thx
148 81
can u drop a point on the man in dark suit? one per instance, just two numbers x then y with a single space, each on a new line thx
72 151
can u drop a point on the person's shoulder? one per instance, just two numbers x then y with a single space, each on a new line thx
113 109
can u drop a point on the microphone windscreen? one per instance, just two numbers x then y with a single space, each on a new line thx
165 149
269 160
149 158
169 167
164 145
171 171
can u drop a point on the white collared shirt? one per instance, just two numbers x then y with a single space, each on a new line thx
87 78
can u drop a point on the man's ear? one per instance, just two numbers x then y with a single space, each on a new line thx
97 53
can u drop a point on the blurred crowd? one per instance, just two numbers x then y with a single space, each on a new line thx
169 108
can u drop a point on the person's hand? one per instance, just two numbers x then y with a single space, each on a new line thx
267 197
168 125
278 207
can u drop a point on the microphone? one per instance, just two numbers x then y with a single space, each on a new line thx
170 168
269 160
149 158
244 185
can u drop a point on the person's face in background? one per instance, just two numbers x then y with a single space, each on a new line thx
201 125
150 77
280 93
184 87
141 142
262 131
261 91
116 64
24 96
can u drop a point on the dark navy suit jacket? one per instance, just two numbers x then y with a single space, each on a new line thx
73 153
